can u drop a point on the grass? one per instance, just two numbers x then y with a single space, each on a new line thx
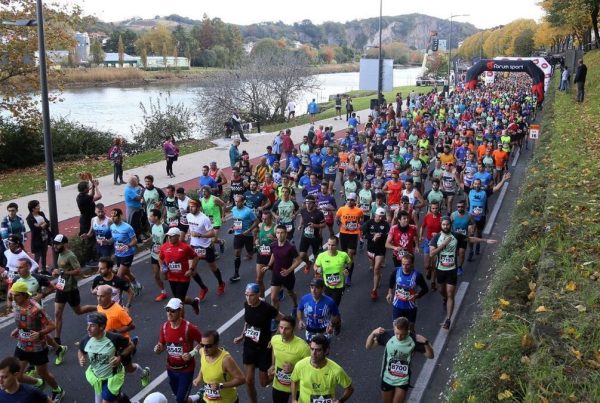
537 339
93 76
23 182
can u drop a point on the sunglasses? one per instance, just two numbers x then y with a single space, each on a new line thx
206 345
169 310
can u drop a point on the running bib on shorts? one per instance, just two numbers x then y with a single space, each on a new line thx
201 252
60 284
253 333
174 266
332 279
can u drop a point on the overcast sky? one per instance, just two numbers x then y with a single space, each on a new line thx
482 14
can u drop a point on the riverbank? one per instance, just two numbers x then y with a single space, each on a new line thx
134 77
537 338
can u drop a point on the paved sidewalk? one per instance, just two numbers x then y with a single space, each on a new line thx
187 169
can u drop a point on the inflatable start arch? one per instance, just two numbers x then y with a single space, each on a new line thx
511 66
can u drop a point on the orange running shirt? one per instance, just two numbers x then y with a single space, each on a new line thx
350 219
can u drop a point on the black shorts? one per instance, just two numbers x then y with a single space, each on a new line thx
461 240
446 276
206 254
480 225
467 189
34 358
448 194
183 227
260 357
376 251
262 259
71 297
338 108
280 396
126 261
153 261
348 241
306 243
330 177
386 387
288 282
179 289
244 241
410 314
127 359
335 294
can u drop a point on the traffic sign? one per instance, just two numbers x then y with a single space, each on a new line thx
534 132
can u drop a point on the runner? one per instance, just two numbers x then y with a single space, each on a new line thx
105 352
218 371
312 222
100 230
202 233
431 225
217 174
462 225
125 243
375 231
67 291
327 205
316 377
333 265
33 324
402 291
214 208
174 259
12 390
106 276
152 195
256 199
12 255
159 237
288 349
393 189
119 322
265 235
237 186
182 202
256 336
349 218
285 211
449 181
399 349
178 337
244 222
445 246
318 313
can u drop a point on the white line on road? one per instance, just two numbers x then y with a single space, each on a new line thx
490 224
416 394
516 159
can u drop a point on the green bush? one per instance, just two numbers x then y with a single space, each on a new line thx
72 140
19 146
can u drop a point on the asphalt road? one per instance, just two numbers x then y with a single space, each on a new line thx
359 315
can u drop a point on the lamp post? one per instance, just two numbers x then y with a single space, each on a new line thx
39 22
450 47
380 77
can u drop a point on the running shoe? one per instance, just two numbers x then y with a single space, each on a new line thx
222 246
221 289
31 371
162 296
460 271
41 384
235 278
196 306
446 325
374 295
57 397
60 355
203 292
145 377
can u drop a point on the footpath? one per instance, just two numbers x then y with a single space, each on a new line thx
187 170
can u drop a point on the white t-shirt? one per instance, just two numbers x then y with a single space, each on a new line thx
183 209
291 106
12 260
199 223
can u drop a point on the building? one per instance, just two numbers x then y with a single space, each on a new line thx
82 47
112 60
158 62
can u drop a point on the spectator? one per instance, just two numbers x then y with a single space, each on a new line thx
40 234
349 108
86 201
312 110
278 145
115 155
171 154
236 121
291 110
580 75
564 80
234 153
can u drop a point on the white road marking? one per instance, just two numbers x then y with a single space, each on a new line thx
516 159
492 219
416 394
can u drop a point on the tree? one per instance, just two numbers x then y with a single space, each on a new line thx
144 57
128 37
524 44
97 53
19 74
155 40
437 65
206 38
121 51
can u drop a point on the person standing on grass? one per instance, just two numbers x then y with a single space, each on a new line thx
115 155
171 154
580 76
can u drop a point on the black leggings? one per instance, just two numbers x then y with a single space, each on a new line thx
170 161
118 173
39 255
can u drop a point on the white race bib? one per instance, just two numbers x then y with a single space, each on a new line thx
237 225
201 252
333 279
212 394
174 266
309 232
252 333
174 350
60 283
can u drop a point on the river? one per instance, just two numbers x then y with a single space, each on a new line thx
116 109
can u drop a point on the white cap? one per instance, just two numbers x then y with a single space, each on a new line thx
380 211
174 303
156 397
173 231
60 238
351 196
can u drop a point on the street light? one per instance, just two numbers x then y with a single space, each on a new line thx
450 48
39 22
380 77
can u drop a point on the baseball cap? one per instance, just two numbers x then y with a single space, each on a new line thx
380 211
156 397
174 303
351 196
173 231
20 287
60 238
317 282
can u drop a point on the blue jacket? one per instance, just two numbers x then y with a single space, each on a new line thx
234 155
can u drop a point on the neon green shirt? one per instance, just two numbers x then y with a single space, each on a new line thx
318 384
332 268
291 352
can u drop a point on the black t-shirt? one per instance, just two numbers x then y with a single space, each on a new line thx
316 217
258 324
378 151
237 187
116 282
87 211
370 228
25 394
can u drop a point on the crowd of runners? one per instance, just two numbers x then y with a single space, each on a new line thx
408 186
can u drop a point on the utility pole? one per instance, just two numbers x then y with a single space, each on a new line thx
380 78
450 49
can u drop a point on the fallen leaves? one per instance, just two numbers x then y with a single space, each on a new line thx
571 286
504 377
479 345
576 353
541 309
497 314
504 303
580 308
507 394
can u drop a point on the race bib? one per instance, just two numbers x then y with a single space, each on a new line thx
121 247
333 279
402 294
477 211
394 207
183 220
400 252
351 226
283 377
212 394
461 231
201 252
331 169
365 208
25 335
174 350
237 225
60 283
252 333
100 239
398 369
289 227
12 276
447 260
321 399
173 222
265 250
309 232
174 266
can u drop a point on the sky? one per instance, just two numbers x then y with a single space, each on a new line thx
482 13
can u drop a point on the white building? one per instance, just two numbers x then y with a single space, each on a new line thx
82 47
158 62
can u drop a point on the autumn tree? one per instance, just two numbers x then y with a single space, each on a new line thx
96 51
579 17
144 57
19 75
156 40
